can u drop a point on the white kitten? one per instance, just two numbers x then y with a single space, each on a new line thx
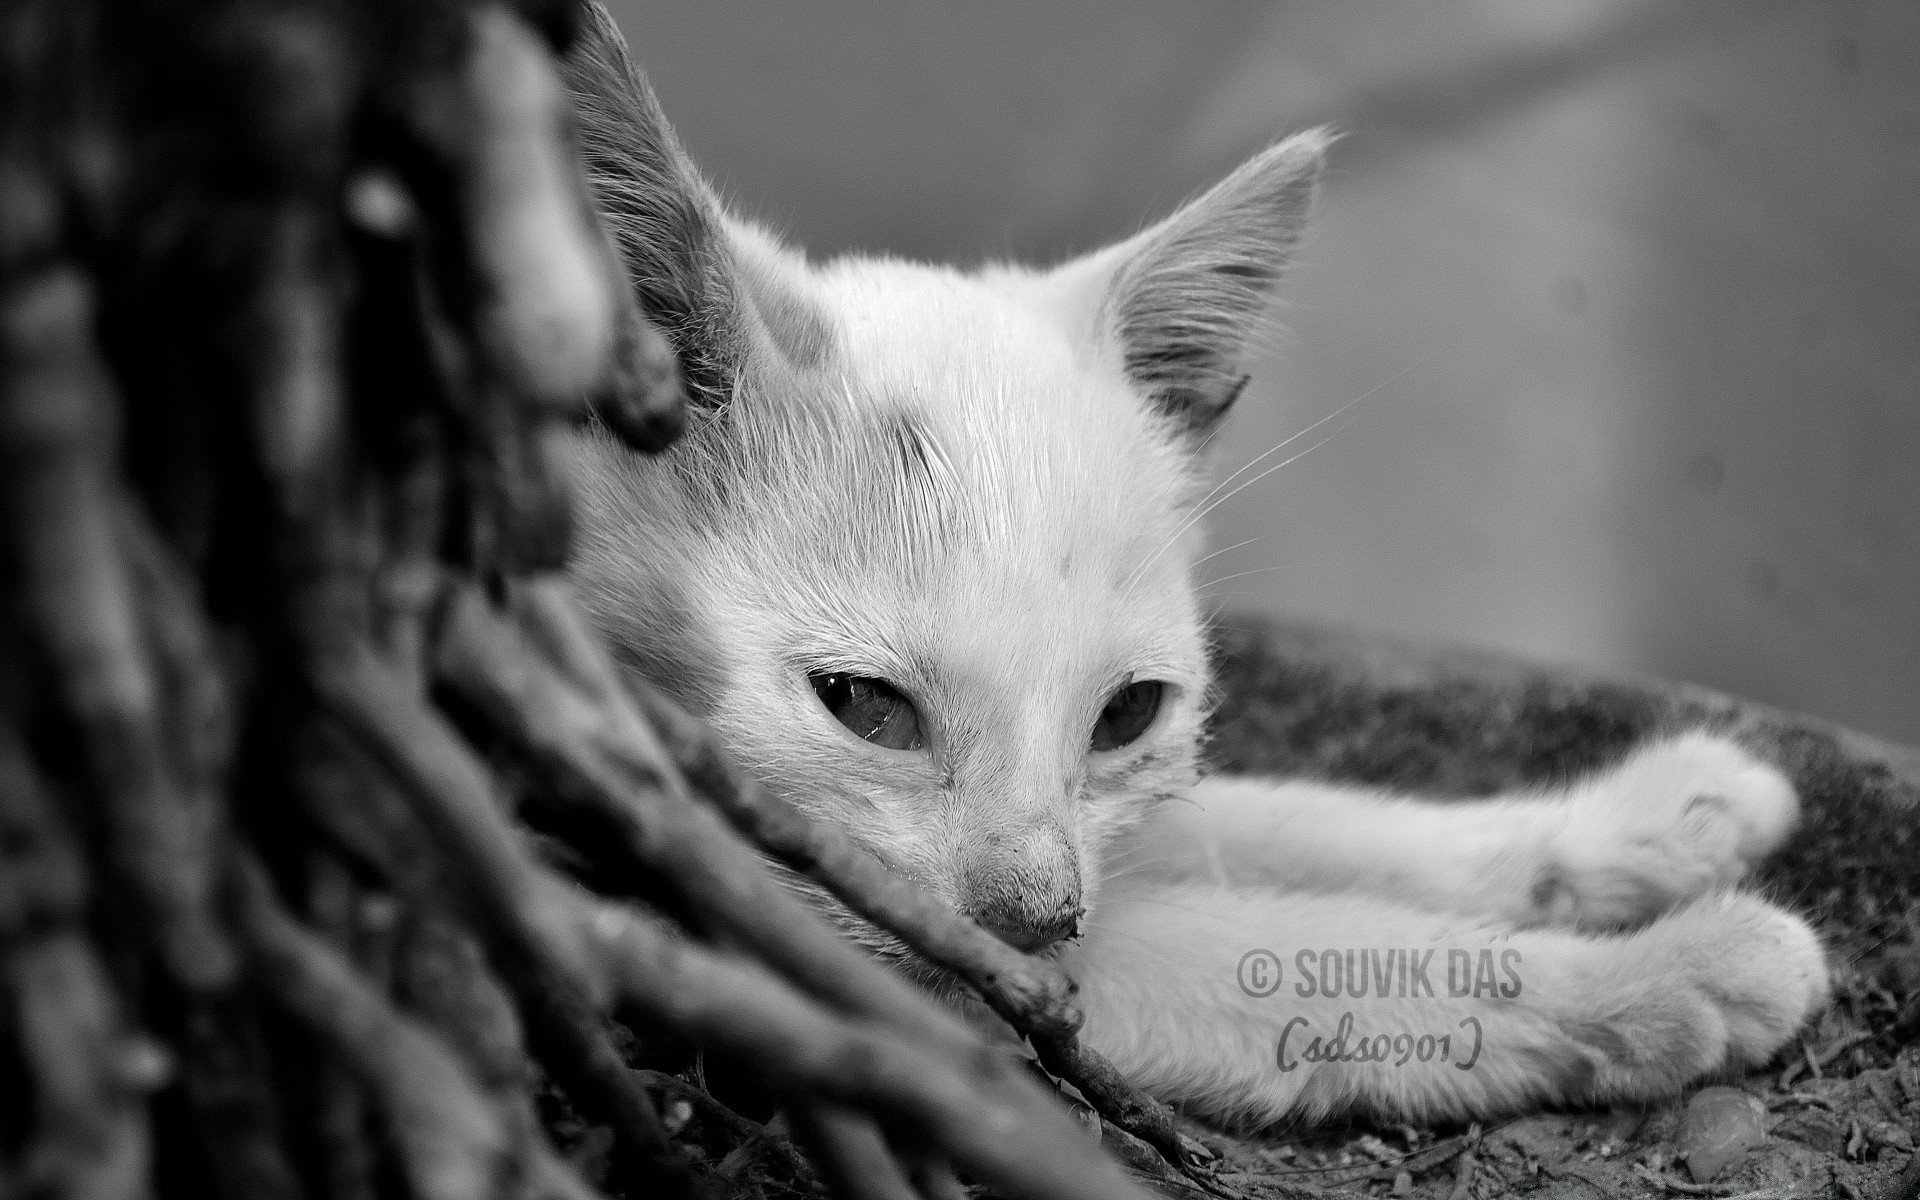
923 559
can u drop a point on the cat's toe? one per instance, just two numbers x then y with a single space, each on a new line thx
1719 986
1765 971
1678 820
1727 805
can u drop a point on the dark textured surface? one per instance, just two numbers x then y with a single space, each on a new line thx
1298 699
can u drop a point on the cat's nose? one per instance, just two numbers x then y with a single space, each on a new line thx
1021 882
1028 930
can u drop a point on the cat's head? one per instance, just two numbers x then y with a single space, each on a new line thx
923 555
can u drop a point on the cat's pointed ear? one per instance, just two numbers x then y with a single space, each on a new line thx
665 220
1182 300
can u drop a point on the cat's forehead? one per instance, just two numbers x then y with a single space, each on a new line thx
972 389
956 454
928 324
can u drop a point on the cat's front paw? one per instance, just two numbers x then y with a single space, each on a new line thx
1675 821
1716 987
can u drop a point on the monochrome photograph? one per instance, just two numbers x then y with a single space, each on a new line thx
1266 601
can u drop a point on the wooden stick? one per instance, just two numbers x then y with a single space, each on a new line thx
1118 1101
451 1141
853 1154
61 500
236 1108
90 1074
744 1131
339 1109
533 933
532 267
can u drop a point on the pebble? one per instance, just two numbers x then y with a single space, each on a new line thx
1719 1127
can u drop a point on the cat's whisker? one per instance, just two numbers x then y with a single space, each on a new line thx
1114 930
1224 550
1109 930
1284 443
1116 866
1230 597
1201 504
1213 499
1286 462
1202 587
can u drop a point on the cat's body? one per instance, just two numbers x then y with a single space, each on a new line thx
924 559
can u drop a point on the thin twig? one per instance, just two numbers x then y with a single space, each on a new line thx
1816 1063
715 1113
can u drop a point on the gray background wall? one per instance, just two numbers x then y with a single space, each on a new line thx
1633 289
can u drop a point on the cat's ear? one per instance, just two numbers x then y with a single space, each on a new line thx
1182 300
666 222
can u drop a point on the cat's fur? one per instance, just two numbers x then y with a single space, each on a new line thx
981 486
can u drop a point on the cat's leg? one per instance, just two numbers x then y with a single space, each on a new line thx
1674 821
1214 998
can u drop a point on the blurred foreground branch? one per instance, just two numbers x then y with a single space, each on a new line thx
295 300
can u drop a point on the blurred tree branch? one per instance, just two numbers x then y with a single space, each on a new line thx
295 298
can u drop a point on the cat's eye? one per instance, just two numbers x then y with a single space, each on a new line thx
1127 714
873 708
